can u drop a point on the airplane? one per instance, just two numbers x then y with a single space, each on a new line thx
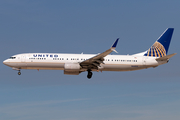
74 64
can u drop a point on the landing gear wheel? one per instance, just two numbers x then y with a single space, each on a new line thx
19 73
89 74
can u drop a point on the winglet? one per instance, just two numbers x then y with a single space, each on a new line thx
115 43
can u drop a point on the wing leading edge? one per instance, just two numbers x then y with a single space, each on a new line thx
95 61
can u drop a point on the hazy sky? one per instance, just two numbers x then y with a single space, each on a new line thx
88 26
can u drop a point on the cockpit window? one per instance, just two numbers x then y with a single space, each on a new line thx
12 57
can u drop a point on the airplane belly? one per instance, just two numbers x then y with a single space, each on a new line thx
44 65
122 67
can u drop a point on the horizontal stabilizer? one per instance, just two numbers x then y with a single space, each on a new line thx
166 57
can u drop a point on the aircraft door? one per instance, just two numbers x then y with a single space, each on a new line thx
23 58
144 59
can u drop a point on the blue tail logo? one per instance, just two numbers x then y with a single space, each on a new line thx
161 46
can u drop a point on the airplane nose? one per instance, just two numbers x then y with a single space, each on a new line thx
5 62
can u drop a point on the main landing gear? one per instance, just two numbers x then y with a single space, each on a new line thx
89 74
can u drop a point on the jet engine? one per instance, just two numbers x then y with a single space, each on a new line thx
72 68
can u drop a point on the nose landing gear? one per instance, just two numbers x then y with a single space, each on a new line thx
89 74
18 69
19 73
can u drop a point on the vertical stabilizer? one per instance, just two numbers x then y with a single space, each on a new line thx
161 46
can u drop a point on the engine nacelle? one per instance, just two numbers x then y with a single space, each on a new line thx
72 68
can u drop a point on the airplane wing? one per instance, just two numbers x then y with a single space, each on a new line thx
166 57
95 61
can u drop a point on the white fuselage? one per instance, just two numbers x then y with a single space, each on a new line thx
56 61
